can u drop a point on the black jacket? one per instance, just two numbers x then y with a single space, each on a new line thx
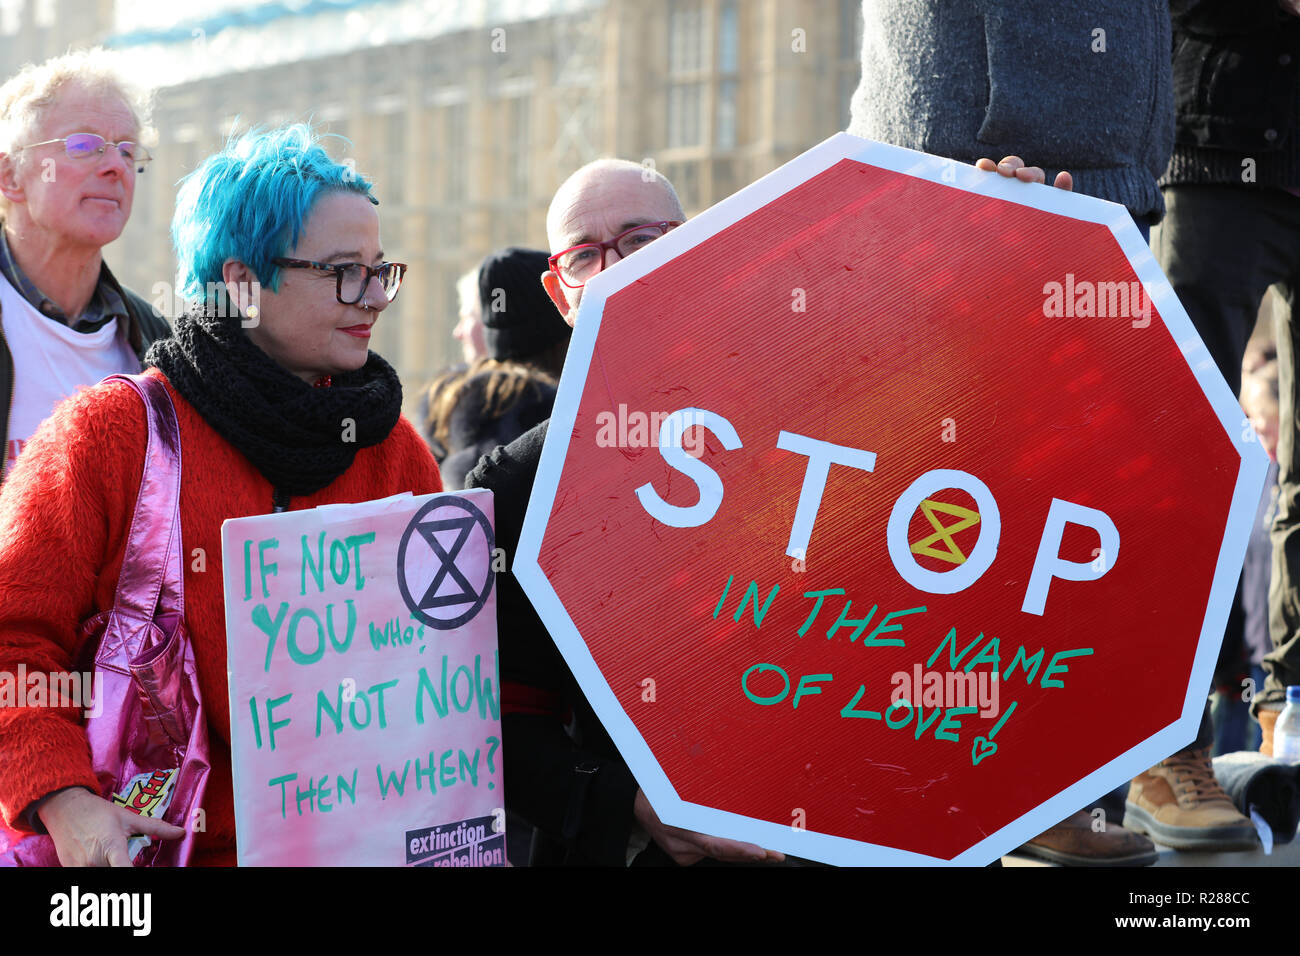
144 325
1236 70
574 789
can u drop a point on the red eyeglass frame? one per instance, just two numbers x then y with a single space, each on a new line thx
553 261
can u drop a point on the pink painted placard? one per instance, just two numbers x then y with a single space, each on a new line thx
364 688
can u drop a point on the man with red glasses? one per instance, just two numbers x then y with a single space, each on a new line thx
573 786
601 214
69 157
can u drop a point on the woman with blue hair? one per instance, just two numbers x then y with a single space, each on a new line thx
280 405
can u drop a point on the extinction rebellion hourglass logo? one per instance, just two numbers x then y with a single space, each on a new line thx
440 585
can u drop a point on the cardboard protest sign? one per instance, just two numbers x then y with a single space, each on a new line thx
364 688
917 505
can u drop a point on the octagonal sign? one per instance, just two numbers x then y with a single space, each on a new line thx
890 510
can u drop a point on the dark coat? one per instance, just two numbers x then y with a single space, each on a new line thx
1236 71
563 773
574 789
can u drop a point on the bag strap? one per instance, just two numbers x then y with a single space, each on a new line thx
146 586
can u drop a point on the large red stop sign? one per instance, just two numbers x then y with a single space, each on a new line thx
890 510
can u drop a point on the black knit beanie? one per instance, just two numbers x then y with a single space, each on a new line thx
519 318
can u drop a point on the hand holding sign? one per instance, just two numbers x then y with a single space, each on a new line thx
686 847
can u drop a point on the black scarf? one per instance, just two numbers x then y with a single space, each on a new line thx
298 436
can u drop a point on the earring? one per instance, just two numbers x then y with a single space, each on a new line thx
252 312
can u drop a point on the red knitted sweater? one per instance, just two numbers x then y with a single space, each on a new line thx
64 515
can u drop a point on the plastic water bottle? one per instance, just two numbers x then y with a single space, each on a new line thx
1286 735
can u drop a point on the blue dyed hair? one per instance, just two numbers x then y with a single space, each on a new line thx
250 201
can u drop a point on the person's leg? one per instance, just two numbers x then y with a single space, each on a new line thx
1230 712
1213 256
1282 664
1231 717
1222 247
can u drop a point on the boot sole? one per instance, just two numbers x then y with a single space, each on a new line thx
1145 858
1213 839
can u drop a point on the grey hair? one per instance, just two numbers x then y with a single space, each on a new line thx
26 99
467 289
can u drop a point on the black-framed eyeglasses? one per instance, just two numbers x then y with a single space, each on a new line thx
86 145
576 265
352 278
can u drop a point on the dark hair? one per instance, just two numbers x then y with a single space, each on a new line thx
505 385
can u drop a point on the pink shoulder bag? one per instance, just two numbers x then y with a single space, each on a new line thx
149 742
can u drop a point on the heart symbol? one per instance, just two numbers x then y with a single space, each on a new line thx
977 754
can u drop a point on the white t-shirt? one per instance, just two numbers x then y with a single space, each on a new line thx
51 361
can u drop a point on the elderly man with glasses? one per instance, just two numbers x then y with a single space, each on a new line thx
69 158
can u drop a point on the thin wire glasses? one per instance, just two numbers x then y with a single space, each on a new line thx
86 145
576 266
352 278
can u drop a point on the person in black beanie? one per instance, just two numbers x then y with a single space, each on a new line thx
522 324
469 410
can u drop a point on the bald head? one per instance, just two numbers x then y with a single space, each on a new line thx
607 179
598 202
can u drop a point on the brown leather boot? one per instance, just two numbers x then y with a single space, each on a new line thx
1073 842
1267 721
1180 804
